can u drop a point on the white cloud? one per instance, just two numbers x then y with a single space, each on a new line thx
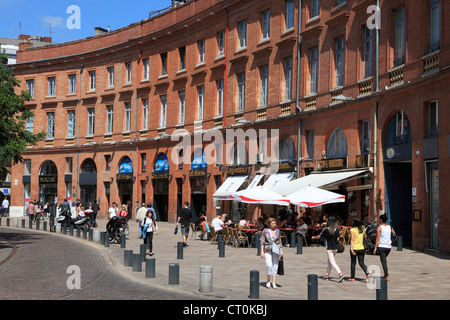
54 21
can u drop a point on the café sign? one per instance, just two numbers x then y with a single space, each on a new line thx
48 179
237 171
124 177
198 173
333 164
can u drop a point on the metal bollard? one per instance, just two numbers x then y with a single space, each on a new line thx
106 239
254 284
7 222
150 270
102 238
30 225
219 238
258 244
174 273
71 230
382 293
399 243
137 263
78 231
143 251
38 223
85 233
221 245
180 250
122 240
128 258
64 228
313 287
23 223
206 279
91 235
293 242
299 246
44 226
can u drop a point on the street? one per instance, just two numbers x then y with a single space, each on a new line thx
37 263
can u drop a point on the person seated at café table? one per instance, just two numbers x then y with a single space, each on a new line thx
302 228
260 225
292 222
218 223
307 218
243 223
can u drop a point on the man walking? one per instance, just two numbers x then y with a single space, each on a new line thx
140 215
5 206
184 220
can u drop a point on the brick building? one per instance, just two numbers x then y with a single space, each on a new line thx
361 116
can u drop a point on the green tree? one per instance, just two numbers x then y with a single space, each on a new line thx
13 114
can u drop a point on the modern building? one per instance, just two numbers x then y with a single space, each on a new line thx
349 107
11 46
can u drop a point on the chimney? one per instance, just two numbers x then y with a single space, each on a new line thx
99 31
25 45
177 3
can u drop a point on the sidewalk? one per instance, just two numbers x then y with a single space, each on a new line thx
409 270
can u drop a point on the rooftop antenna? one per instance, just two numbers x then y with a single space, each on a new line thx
50 32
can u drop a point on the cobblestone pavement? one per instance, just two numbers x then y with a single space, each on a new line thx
414 275
34 265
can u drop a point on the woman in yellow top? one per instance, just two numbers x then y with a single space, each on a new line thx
357 248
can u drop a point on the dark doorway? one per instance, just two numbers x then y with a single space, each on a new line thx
198 205
398 199
161 199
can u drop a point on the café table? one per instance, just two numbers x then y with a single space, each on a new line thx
250 233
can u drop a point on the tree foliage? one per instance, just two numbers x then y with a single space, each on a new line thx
13 115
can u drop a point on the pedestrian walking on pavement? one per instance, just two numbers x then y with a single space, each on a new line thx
331 235
357 249
184 220
95 210
140 216
271 251
31 210
148 230
113 210
383 243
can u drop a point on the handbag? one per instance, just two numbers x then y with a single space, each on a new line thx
341 247
281 267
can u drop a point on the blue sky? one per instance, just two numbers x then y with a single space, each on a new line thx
35 16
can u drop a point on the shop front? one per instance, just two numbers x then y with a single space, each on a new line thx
198 176
160 180
237 179
88 182
398 175
125 180
48 183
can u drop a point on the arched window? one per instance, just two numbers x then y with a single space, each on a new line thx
88 166
287 148
337 145
240 155
399 131
48 168
126 165
199 159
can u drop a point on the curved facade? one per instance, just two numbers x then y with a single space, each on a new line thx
210 67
